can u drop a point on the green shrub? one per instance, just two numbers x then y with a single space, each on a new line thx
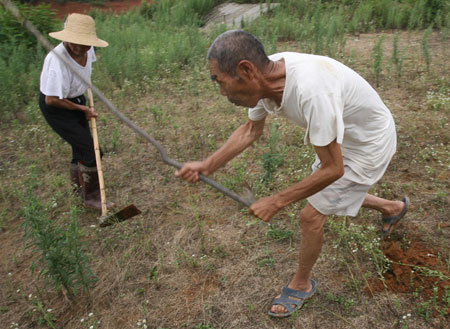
377 56
12 33
60 251
272 159
19 74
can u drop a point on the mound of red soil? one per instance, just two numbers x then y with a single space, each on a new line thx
83 7
414 268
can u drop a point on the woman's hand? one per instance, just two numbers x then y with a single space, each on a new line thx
89 112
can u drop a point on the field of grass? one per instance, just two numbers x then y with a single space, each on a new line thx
195 258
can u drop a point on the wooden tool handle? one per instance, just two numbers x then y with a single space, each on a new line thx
97 155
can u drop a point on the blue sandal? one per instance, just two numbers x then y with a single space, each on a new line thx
393 220
292 300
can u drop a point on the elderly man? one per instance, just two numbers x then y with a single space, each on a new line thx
352 131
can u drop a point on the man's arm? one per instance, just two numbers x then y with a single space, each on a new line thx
331 169
241 138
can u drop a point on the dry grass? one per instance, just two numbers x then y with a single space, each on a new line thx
194 258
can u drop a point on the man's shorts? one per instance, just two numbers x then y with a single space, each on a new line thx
344 197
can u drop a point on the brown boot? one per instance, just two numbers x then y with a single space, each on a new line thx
90 187
75 179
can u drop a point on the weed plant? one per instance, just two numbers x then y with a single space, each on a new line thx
12 33
153 51
354 238
397 59
44 315
272 159
377 56
278 234
425 46
439 100
21 57
60 250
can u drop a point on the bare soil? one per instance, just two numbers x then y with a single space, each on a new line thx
413 270
69 7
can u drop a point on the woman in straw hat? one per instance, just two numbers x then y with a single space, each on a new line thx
63 103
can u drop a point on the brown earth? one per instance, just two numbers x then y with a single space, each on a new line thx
82 7
407 272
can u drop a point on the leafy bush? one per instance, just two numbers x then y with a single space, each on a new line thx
60 251
12 33
21 57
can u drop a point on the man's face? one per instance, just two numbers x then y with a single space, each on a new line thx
239 91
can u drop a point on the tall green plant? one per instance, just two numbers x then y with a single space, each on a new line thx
21 57
19 76
397 58
272 159
11 31
60 251
377 56
425 47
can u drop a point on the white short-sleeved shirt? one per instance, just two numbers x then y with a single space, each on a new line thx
331 101
57 79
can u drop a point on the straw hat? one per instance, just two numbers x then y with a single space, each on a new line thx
79 29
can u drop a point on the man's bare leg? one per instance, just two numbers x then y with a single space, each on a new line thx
311 222
386 207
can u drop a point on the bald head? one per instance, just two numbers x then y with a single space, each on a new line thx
231 47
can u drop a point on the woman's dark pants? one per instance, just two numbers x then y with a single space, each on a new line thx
73 127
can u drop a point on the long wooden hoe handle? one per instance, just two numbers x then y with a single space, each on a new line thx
97 155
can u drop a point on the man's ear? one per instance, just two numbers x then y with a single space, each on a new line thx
246 69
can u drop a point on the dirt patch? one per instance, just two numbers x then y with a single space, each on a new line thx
63 9
414 269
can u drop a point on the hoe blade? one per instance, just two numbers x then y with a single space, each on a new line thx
120 216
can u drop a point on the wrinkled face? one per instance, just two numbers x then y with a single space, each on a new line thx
238 90
76 49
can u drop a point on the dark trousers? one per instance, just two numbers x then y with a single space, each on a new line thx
73 127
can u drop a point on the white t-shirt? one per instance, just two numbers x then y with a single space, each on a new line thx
331 101
57 79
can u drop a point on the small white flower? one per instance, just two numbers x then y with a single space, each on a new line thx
139 323
409 314
9 274
18 290
90 314
30 296
91 327
145 326
82 320
49 310
93 226
144 321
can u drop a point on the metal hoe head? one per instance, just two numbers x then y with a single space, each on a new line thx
120 216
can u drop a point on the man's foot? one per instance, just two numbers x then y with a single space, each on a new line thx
291 300
390 220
